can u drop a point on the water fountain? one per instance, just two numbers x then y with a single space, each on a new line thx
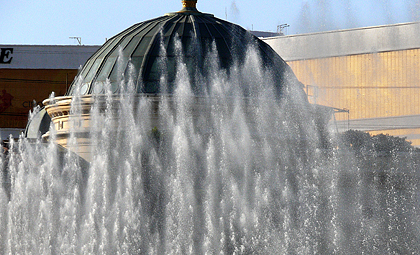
187 135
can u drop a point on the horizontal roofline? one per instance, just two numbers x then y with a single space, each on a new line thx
346 42
45 56
46 45
345 30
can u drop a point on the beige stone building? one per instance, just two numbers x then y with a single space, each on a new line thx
371 75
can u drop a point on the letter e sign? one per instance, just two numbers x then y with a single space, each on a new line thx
6 55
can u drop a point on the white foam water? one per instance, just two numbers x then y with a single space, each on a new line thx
235 170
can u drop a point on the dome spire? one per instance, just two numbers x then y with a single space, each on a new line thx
189 3
189 6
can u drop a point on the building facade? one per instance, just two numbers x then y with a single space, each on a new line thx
371 75
28 75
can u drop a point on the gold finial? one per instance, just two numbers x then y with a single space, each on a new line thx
189 9
189 3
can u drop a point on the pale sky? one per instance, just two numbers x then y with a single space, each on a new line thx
53 22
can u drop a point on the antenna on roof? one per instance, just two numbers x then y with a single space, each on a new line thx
281 28
79 39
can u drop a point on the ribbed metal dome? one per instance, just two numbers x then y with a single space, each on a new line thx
148 44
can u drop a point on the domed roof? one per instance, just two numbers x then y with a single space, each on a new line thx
147 44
